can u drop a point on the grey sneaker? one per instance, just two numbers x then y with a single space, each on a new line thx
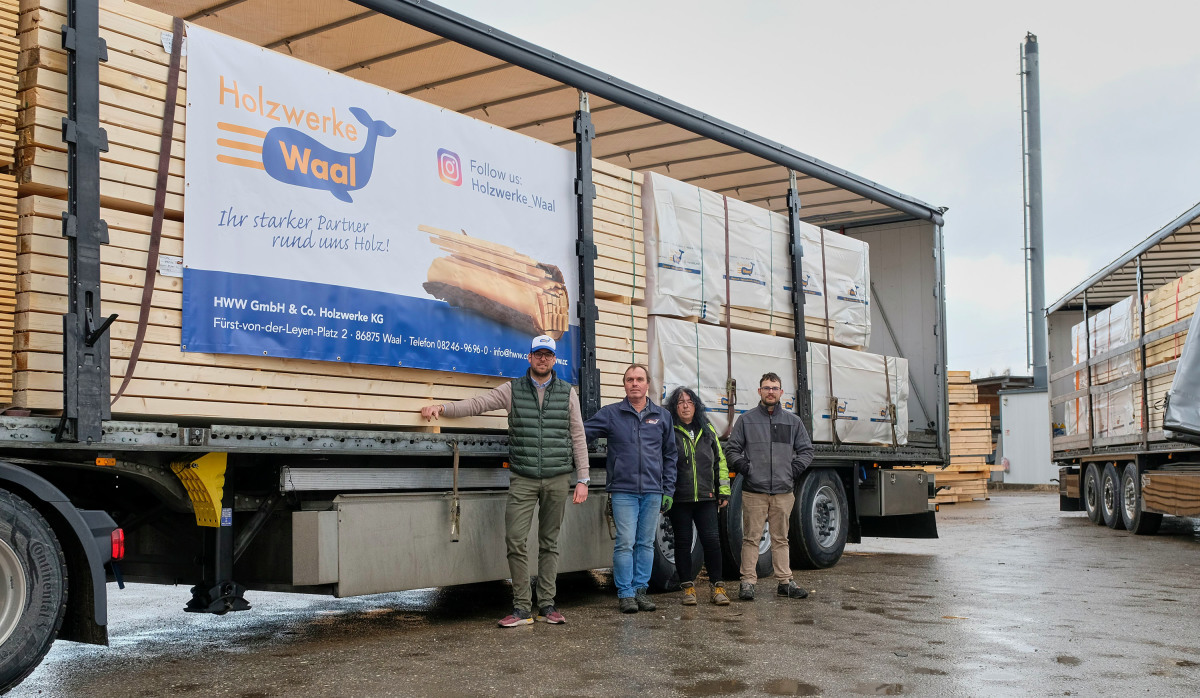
746 592
791 591
627 605
642 598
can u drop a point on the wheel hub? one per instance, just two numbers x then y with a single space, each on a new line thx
12 601
826 516
1108 497
1130 499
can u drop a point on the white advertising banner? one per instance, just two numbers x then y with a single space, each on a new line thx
329 219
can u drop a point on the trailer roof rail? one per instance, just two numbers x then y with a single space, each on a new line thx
466 66
1167 254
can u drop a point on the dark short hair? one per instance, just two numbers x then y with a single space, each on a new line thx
633 366
769 377
672 404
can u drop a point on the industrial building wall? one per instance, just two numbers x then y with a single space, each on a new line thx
1025 437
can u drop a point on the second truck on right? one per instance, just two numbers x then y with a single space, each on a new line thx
1120 394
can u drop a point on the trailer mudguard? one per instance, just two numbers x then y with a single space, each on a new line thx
90 628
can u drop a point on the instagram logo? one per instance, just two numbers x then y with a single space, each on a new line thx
449 167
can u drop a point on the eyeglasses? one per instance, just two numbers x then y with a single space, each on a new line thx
771 389
685 403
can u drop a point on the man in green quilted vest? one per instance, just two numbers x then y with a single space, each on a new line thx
546 443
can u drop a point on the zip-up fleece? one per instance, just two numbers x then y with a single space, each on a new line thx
702 470
641 449
770 449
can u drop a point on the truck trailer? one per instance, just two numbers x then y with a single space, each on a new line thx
182 412
1117 343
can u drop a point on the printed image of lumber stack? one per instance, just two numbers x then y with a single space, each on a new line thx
966 478
620 276
499 283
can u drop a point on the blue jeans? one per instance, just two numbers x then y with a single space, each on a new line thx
636 518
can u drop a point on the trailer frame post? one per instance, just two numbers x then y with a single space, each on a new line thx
585 250
86 382
1087 354
803 402
939 330
1141 366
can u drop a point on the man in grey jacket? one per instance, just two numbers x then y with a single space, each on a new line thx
545 432
771 448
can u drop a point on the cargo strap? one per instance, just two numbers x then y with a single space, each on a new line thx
833 402
891 407
160 200
730 383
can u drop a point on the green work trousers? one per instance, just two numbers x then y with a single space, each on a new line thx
549 495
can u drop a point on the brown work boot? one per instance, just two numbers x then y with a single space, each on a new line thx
719 597
689 594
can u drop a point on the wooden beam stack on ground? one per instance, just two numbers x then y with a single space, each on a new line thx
970 444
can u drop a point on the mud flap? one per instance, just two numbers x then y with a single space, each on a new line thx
922 525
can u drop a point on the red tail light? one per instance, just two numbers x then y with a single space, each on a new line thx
118 544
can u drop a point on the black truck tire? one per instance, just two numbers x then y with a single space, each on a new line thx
729 522
820 521
33 573
1138 522
1110 497
663 574
1091 493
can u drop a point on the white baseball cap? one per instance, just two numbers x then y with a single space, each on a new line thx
543 342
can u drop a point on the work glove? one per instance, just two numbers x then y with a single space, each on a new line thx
667 501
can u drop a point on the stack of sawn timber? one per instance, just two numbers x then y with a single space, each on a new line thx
966 478
169 383
9 53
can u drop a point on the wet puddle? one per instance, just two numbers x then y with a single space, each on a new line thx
790 687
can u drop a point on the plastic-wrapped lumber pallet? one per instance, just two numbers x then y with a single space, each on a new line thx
869 388
686 274
170 383
1166 305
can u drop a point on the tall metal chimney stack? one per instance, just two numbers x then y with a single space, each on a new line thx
1033 167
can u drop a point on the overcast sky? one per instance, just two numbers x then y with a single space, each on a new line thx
924 98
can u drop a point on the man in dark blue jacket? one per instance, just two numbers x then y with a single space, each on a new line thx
641 476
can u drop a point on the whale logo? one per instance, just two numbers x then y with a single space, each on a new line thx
746 270
293 157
